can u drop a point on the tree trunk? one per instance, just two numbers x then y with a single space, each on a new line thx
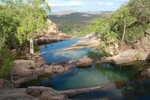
31 46
124 31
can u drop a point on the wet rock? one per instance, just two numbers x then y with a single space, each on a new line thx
44 93
58 69
146 73
84 62
5 84
15 94
31 93
48 69
40 61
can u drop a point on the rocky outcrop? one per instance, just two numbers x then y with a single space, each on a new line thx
125 57
84 62
51 35
50 38
139 51
31 93
25 70
85 42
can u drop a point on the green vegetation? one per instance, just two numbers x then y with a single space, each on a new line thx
20 21
126 24
75 23
5 62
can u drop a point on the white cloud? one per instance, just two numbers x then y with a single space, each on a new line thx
69 3
106 4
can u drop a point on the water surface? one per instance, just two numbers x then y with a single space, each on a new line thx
125 81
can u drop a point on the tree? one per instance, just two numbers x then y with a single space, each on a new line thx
8 25
31 15
140 9
122 19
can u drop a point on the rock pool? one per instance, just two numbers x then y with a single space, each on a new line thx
125 82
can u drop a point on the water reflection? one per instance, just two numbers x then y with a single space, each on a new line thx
123 81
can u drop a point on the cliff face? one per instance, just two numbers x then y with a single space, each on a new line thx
51 34
52 28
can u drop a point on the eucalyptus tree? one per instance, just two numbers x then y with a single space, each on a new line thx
122 19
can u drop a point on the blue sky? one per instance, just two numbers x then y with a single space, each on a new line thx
85 5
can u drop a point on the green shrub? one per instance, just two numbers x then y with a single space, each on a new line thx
136 32
5 63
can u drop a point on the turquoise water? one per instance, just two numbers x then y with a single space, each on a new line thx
78 78
124 82
54 53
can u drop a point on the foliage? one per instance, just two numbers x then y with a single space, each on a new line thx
96 55
30 16
5 62
8 24
126 24
140 9
136 32
122 19
75 23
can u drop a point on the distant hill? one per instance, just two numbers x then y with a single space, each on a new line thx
74 22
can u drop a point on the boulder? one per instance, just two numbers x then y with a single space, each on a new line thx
27 70
4 84
146 73
84 62
23 70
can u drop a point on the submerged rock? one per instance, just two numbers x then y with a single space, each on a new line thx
84 62
31 93
44 93
15 94
4 84
146 73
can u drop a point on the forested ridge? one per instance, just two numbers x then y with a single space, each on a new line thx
74 23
